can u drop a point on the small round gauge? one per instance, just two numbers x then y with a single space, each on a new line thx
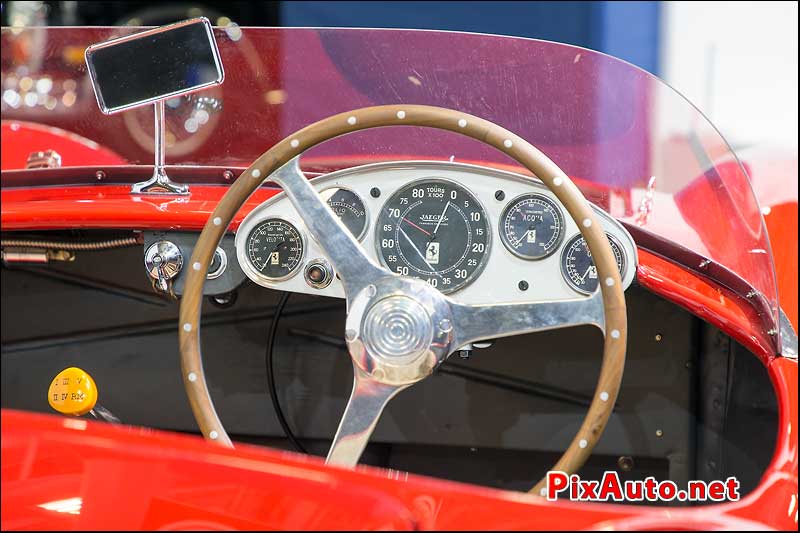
532 226
275 249
350 209
578 268
434 230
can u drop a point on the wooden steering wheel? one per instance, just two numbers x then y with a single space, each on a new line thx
399 329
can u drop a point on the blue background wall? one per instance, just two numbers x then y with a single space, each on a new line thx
628 30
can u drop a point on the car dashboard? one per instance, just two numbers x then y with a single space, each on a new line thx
480 235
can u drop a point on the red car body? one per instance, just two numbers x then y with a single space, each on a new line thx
60 473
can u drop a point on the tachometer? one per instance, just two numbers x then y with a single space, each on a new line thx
434 230
577 265
532 226
275 249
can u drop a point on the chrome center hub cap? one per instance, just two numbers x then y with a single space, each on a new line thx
397 329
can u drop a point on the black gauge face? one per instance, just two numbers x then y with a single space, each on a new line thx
577 265
275 248
532 226
436 231
349 208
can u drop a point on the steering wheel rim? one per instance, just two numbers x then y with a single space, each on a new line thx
369 285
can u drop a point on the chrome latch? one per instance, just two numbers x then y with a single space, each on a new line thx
43 159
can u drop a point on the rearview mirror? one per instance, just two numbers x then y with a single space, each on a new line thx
154 65
148 68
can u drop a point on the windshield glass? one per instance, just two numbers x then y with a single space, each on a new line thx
636 147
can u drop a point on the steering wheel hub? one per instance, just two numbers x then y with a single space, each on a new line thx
397 329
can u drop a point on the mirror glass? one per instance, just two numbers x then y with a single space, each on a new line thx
154 65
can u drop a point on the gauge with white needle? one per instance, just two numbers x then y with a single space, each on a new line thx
350 209
577 265
532 226
434 230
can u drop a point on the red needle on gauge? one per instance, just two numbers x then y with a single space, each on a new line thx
414 225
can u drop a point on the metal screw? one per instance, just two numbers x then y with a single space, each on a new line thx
100 175
625 463
375 192
228 175
500 196
523 285
445 325
659 433
350 334
658 337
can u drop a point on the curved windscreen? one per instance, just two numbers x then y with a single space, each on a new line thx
636 147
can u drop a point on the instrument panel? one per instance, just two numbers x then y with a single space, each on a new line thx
478 234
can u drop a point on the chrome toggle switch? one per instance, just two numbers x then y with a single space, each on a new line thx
163 261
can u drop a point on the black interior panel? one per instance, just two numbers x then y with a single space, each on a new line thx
693 402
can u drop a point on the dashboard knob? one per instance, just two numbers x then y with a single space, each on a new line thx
318 273
163 261
218 264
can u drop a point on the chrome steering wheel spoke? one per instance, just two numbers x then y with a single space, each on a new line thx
473 323
367 402
356 270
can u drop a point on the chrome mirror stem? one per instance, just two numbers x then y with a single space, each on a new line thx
159 183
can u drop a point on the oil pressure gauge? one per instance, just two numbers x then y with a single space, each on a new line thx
350 209
577 265
532 226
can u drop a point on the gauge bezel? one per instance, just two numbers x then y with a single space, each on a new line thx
367 214
502 224
615 241
248 266
489 231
